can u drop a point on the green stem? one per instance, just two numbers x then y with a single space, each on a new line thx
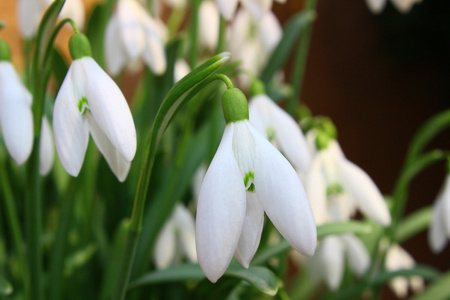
14 225
194 33
300 61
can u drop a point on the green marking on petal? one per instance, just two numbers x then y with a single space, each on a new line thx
248 176
83 105
334 189
271 133
251 188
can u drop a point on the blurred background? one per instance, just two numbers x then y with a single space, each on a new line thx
379 77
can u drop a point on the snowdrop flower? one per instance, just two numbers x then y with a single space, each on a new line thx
30 13
16 119
90 101
439 230
398 259
181 69
208 25
256 7
46 151
177 238
328 262
246 178
280 129
336 187
131 35
404 6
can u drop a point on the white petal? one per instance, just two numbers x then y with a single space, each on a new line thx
269 31
16 118
115 54
445 213
220 211
404 6
29 16
437 238
185 225
316 190
251 231
110 109
46 151
227 8
376 6
154 54
257 7
181 69
357 254
70 129
332 256
366 194
131 30
208 25
118 164
282 196
175 3
400 286
165 247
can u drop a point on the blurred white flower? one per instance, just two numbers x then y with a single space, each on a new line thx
30 13
16 118
256 7
328 262
46 151
439 231
246 178
131 35
336 187
90 101
398 259
176 239
404 6
181 69
281 130
208 25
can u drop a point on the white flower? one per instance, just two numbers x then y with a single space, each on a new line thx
90 101
256 7
176 239
336 187
404 6
280 129
181 69
246 178
131 35
439 230
398 259
208 25
46 151
30 13
328 262
16 119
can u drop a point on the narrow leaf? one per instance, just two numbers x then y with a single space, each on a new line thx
438 290
413 224
5 287
261 278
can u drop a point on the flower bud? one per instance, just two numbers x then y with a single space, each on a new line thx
234 105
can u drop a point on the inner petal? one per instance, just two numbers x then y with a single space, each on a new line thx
244 152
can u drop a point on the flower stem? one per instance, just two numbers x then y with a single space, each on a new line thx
14 225
300 61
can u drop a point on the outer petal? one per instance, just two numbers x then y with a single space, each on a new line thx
71 131
181 69
282 196
357 254
109 109
154 55
16 119
118 164
185 225
220 211
29 16
251 231
115 53
376 6
366 193
445 213
46 151
131 31
269 31
257 8
165 247
404 6
437 238
209 25
227 8
316 189
332 256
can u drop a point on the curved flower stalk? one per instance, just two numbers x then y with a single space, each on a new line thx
439 231
132 35
246 178
281 130
256 7
337 187
16 119
30 13
329 261
46 148
90 101
176 239
208 25
398 259
404 6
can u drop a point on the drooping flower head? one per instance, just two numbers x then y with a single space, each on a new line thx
246 178
439 231
257 7
132 35
89 101
403 6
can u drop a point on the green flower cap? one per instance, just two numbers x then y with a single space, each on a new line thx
322 140
5 52
79 46
257 88
234 105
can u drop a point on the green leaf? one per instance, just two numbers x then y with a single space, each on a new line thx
79 259
413 224
261 278
322 231
5 287
438 290
59 67
291 33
